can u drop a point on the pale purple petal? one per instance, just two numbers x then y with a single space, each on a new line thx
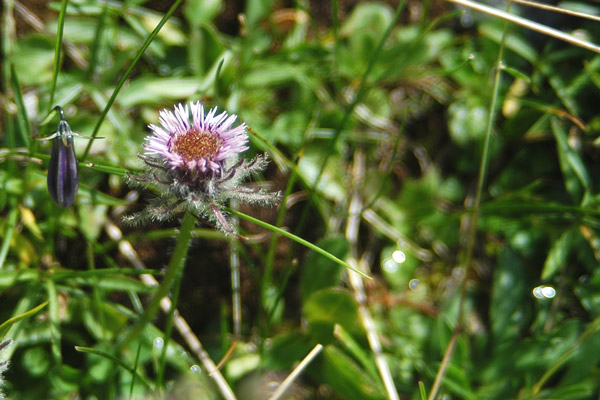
177 122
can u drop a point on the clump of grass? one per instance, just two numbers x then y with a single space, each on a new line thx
437 230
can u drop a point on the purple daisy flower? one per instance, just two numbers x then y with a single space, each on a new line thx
193 164
202 144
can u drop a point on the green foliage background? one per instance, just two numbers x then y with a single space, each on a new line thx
379 114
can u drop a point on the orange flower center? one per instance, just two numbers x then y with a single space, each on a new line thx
194 145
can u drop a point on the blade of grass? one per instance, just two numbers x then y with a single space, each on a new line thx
234 265
95 48
475 215
11 223
117 361
6 325
57 51
137 57
295 238
8 33
588 333
15 324
22 120
54 318
355 349
135 367
422 390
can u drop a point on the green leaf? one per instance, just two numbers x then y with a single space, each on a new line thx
339 371
570 162
22 119
326 308
508 293
157 90
36 361
467 121
351 346
33 58
494 30
456 381
558 254
202 11
286 349
319 272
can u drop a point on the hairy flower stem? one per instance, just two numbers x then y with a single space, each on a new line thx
174 270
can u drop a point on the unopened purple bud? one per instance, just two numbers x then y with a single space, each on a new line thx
63 175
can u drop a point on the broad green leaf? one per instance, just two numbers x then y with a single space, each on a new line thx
285 349
558 254
328 307
570 162
202 11
155 90
36 361
508 294
456 381
339 371
365 17
577 391
494 30
320 272
359 353
467 121
33 58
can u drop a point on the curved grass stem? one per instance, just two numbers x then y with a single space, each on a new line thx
137 57
473 222
295 238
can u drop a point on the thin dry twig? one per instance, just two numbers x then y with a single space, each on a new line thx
534 26
356 281
559 10
127 250
287 382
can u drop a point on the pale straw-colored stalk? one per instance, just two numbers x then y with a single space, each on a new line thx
287 382
534 26
356 280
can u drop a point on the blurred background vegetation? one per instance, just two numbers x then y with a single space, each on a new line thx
476 216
